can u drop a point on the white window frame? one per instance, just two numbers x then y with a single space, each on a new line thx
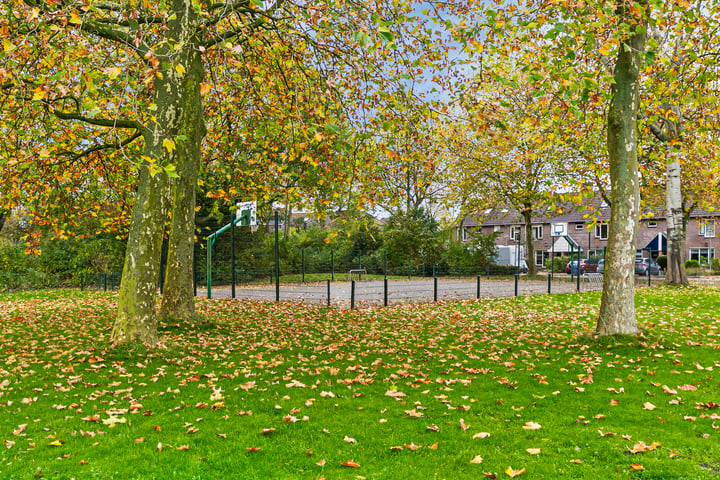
652 223
537 232
696 252
579 226
599 227
706 228
497 228
464 234
515 233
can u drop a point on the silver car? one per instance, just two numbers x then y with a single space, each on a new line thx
601 265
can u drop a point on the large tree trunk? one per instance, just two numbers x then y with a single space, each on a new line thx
617 307
136 319
676 274
529 240
178 300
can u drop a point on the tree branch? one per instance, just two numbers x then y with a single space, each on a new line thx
105 146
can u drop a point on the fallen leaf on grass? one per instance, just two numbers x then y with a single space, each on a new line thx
253 449
490 474
532 426
349 439
321 463
463 425
350 463
434 428
636 466
267 431
640 447
477 459
56 443
183 447
414 414
481 435
412 446
533 451
434 446
673 454
648 406
514 473
575 460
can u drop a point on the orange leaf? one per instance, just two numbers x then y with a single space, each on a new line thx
636 466
350 463
253 449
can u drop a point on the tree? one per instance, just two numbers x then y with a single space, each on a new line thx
504 151
120 88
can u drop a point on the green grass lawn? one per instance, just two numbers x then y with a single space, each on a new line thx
450 391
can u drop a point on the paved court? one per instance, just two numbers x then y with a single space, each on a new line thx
371 292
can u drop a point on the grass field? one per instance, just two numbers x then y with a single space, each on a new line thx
496 387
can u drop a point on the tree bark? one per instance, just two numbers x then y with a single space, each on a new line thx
136 319
529 240
676 273
178 300
617 307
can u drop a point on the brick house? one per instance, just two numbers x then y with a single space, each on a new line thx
591 239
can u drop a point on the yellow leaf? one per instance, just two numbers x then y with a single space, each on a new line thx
204 88
56 443
636 466
113 72
180 69
39 94
75 18
477 459
169 144
514 473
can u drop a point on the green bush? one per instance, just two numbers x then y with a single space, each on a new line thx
662 261
716 265
557 264
19 270
692 264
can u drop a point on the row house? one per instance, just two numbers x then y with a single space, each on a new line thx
586 229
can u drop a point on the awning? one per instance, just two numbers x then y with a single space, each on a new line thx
659 243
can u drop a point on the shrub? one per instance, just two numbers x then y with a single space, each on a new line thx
662 261
557 264
716 265
692 264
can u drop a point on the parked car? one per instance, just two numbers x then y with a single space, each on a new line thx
586 266
645 266
601 265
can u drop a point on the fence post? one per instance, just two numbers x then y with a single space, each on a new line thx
517 277
435 289
232 256
488 272
385 264
194 271
478 287
649 275
82 281
385 293
549 283
578 273
408 272
303 265
434 275
99 280
332 265
328 292
105 281
352 294
277 257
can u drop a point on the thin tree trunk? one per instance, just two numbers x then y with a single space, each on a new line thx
617 307
530 241
676 274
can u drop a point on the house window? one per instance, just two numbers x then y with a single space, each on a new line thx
496 229
537 232
515 234
601 231
579 226
702 255
707 228
541 257
464 234
652 223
